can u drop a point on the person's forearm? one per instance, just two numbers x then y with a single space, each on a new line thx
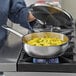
19 13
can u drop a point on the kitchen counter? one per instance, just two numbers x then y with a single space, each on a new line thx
9 53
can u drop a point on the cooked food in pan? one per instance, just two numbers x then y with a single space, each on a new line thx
45 42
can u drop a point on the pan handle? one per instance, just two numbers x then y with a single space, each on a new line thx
13 31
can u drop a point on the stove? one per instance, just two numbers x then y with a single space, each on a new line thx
64 63
59 22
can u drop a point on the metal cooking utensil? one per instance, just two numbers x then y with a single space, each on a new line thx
42 51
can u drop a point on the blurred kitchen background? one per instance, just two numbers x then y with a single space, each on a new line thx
70 6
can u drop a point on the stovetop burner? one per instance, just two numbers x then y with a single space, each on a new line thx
65 62
46 61
62 59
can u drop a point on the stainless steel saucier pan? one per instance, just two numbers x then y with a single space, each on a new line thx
42 51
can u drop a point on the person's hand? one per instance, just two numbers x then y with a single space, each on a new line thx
31 17
37 24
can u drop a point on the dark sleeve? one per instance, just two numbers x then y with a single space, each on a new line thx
18 13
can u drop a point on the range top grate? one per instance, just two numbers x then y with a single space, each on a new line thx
67 57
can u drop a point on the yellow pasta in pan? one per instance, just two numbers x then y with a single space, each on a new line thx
45 42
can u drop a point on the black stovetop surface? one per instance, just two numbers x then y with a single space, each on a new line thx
67 62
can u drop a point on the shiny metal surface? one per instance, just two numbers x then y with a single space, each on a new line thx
45 51
51 15
9 53
42 51
38 74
